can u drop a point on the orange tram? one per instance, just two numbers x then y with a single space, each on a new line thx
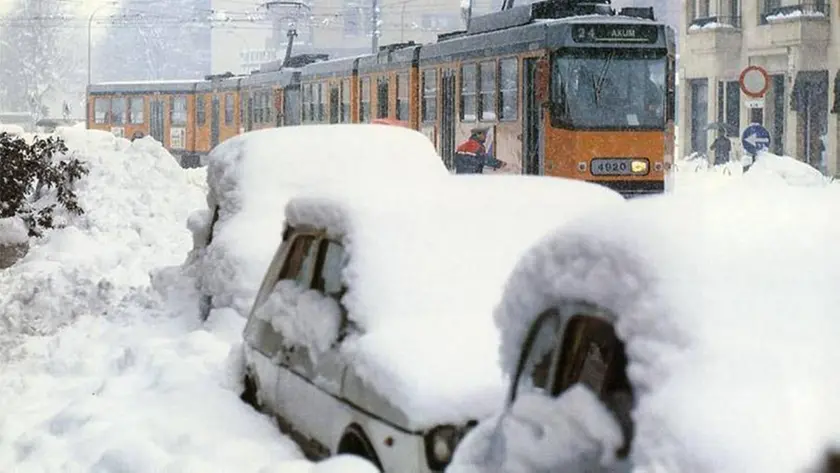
572 90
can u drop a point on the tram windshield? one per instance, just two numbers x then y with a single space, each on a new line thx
609 89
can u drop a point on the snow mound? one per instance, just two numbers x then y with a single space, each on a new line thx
787 170
252 176
425 271
13 231
573 432
728 314
135 199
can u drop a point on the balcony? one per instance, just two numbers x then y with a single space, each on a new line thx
805 23
712 34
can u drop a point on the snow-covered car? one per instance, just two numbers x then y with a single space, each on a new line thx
372 332
671 337
251 177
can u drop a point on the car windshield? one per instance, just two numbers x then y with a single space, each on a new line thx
609 89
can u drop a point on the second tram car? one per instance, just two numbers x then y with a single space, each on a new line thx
566 89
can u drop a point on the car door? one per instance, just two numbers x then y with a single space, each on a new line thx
314 405
296 264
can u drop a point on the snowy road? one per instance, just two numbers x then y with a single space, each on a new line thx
100 372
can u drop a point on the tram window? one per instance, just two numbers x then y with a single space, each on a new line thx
200 112
306 113
178 110
319 91
364 100
382 97
429 112
402 96
508 89
136 107
487 89
242 109
468 90
228 109
345 101
267 104
118 111
102 108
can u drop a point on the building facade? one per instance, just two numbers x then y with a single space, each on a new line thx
335 27
796 41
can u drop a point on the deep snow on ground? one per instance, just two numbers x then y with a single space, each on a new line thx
103 372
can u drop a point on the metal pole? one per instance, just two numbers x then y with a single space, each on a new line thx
374 36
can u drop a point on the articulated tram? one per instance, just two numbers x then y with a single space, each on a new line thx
565 87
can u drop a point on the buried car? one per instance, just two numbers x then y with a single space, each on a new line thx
251 177
667 337
372 332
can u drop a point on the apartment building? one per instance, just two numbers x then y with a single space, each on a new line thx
340 28
796 41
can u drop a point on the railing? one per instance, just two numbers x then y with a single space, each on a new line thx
818 9
733 21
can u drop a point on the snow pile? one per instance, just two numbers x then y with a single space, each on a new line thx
787 170
714 25
730 323
13 231
573 433
252 176
424 273
12 129
135 384
135 198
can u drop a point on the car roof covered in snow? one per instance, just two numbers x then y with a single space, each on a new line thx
251 177
728 314
426 268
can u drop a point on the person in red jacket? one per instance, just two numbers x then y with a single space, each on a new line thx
471 155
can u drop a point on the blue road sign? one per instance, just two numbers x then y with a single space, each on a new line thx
754 138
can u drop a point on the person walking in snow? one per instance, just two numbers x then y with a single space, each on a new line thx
722 147
471 155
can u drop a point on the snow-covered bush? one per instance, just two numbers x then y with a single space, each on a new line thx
28 171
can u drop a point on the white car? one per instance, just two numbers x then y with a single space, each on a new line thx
372 331
251 177
673 335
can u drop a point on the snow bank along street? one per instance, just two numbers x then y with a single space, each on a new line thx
106 365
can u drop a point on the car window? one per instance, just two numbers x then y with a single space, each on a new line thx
328 278
262 336
300 261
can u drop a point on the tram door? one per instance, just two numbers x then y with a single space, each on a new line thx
215 111
334 105
531 123
447 117
156 119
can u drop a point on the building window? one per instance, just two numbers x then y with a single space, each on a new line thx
200 111
731 109
402 96
429 112
228 109
487 87
468 92
364 100
178 110
769 7
356 16
102 110
345 101
508 89
702 8
136 107
118 111
440 22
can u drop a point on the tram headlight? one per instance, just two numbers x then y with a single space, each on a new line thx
639 166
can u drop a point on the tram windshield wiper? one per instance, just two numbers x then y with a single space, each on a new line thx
599 83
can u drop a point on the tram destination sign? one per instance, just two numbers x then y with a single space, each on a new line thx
615 33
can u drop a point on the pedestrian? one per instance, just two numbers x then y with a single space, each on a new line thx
722 147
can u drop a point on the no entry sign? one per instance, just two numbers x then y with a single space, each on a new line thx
754 81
